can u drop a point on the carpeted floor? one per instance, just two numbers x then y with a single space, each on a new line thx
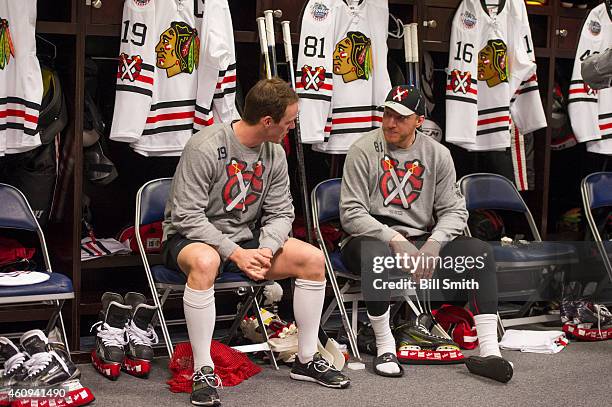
577 376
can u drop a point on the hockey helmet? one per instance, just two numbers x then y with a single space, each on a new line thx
53 116
431 129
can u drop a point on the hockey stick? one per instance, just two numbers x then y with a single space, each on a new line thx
298 135
269 20
263 44
408 53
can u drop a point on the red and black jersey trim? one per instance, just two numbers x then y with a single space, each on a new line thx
345 120
225 91
147 80
605 125
496 115
134 89
315 97
165 117
226 82
17 117
167 129
178 103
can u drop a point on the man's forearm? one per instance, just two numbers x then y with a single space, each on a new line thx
597 70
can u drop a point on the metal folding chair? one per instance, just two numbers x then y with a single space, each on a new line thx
16 213
596 192
492 191
325 202
163 282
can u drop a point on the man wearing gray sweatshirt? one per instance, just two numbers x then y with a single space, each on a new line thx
230 210
399 200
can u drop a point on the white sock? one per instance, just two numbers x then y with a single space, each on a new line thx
308 298
200 313
385 342
486 327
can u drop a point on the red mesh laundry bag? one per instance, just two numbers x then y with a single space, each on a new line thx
231 366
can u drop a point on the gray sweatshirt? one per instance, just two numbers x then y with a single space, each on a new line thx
429 197
221 188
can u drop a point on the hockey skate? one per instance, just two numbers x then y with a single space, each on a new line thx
51 375
416 345
282 336
14 370
586 321
140 336
109 354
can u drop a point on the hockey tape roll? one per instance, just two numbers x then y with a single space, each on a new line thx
407 43
287 41
269 19
414 39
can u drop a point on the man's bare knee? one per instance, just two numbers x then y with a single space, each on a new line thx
313 266
201 264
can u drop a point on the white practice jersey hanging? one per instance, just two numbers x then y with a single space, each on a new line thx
176 74
342 73
491 76
21 86
590 110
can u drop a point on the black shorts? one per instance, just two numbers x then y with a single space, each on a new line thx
175 243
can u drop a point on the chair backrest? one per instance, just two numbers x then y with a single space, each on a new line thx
493 191
151 200
16 213
597 190
325 199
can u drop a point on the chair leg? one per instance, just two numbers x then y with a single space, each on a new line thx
500 325
52 322
162 319
257 311
58 317
246 305
328 311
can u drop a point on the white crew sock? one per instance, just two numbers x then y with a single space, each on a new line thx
385 342
308 298
486 327
200 313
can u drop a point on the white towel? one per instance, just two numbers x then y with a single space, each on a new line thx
534 341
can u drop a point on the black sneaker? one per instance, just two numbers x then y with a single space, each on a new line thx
204 388
319 370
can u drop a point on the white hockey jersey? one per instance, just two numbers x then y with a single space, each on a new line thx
21 86
491 61
342 76
590 110
177 73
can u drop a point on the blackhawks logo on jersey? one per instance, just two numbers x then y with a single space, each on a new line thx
460 81
242 188
129 67
312 78
589 90
353 57
493 63
401 185
6 44
178 49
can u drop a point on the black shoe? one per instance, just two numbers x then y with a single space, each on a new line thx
204 388
387 358
319 370
493 367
